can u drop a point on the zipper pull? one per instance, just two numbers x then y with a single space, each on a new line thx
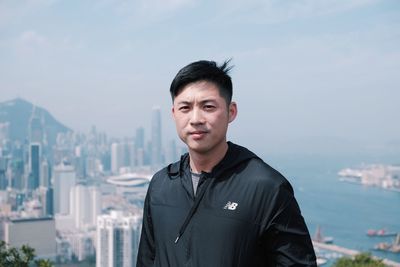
177 239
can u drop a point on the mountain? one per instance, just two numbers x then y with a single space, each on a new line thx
18 113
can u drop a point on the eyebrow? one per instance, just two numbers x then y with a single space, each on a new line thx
184 102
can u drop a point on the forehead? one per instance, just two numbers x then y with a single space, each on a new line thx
199 89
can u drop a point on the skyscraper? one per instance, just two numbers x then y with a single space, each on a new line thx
117 157
17 174
139 138
36 132
156 146
117 239
172 152
34 165
3 176
85 205
139 147
47 200
45 174
129 155
64 180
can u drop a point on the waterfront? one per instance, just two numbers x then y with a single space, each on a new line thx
344 211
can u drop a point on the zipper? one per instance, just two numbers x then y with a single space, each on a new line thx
193 210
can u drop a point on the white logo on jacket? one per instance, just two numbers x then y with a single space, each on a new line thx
231 205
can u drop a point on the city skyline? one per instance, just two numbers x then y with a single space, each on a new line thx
305 73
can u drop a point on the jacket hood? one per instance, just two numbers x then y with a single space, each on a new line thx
234 156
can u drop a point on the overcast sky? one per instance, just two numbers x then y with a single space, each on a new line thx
305 71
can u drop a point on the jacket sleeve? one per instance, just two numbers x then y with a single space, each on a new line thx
286 238
146 252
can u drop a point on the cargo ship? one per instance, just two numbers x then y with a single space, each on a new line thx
380 232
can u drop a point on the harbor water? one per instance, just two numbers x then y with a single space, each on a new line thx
344 211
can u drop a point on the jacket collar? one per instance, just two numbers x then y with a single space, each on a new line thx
235 155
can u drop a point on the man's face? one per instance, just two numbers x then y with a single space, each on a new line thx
202 116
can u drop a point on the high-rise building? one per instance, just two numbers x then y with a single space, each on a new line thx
139 138
47 200
117 239
85 205
39 233
80 162
3 176
120 156
156 146
16 173
45 174
64 180
129 155
34 165
172 152
116 157
36 132
95 199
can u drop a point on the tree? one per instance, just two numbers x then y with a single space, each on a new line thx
43 263
360 260
20 257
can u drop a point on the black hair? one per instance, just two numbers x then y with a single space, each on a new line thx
204 70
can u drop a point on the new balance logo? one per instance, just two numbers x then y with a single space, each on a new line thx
230 206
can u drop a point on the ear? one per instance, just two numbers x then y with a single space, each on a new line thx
173 112
232 111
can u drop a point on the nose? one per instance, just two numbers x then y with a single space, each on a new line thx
197 117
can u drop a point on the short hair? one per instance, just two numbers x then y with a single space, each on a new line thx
204 70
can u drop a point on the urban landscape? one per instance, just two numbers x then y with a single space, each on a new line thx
73 196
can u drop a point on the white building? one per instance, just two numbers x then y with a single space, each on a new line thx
64 180
38 233
117 157
117 239
85 205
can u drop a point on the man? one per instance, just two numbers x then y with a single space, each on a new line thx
220 205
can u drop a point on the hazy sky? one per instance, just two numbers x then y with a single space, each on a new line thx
305 71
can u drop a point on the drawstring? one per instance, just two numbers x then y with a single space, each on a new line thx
193 209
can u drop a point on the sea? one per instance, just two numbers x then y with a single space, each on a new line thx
344 211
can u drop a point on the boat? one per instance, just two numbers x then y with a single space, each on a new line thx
394 247
318 237
396 244
382 246
321 261
380 232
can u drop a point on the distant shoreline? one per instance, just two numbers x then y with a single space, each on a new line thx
354 181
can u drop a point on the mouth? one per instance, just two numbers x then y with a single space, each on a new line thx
198 134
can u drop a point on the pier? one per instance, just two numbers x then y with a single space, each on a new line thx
350 252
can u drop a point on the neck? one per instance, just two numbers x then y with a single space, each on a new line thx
206 161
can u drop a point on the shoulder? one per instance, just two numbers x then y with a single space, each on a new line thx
159 176
168 174
262 174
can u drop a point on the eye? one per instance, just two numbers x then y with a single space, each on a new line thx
184 108
209 107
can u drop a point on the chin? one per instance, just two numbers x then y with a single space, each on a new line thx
199 148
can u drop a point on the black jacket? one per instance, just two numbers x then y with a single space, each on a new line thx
244 214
